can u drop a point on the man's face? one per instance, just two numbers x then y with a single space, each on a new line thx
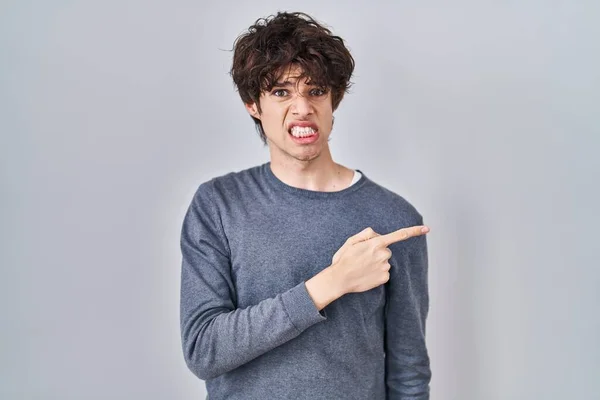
296 117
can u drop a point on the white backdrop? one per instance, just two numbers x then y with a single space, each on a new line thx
483 114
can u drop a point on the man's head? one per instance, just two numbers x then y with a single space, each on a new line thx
289 68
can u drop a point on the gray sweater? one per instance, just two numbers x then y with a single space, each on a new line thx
249 328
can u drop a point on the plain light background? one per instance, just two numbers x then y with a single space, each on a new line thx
482 114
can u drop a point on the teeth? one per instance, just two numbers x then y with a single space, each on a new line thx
298 131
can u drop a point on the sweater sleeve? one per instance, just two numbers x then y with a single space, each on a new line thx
216 336
408 373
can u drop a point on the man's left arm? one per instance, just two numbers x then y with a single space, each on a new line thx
407 370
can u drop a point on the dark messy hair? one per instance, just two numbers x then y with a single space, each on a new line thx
278 41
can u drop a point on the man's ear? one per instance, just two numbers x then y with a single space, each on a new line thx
252 110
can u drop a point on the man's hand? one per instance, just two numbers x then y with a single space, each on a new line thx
359 265
362 262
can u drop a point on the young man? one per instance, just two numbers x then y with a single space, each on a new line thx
292 285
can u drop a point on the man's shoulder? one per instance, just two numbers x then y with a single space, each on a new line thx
231 184
389 201
238 176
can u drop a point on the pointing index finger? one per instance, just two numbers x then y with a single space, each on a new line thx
402 234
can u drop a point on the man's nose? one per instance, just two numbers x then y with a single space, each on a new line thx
302 105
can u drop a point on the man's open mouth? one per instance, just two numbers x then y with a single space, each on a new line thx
302 132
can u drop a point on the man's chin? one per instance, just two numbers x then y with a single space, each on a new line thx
305 157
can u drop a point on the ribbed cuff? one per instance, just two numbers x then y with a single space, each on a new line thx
300 307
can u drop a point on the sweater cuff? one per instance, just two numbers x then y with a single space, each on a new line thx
300 307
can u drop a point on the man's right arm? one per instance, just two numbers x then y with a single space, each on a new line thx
217 337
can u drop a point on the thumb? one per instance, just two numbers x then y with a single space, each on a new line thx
361 236
365 234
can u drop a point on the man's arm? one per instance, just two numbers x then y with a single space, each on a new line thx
217 337
407 372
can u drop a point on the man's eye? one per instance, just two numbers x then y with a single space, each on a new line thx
318 92
279 92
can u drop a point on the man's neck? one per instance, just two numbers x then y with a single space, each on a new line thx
321 174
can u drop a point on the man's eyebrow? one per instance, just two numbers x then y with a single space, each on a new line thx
288 83
283 84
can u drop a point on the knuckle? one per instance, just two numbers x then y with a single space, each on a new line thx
386 254
386 277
